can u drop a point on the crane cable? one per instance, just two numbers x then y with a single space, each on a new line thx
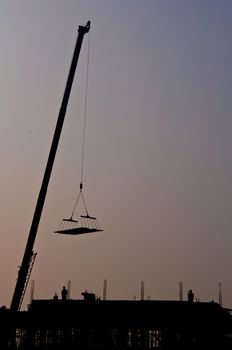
84 134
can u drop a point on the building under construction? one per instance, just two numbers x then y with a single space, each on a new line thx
107 324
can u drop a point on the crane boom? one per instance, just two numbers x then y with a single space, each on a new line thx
24 269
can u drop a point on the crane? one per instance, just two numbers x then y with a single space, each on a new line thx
29 255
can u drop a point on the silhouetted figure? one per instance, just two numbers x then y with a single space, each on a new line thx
55 297
64 293
190 296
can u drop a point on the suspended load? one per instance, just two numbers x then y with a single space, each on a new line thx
86 223
70 226
73 229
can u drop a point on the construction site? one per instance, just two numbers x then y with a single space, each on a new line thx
108 324
99 323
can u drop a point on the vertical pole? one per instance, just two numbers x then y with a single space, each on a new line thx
142 290
105 290
23 271
180 290
220 293
69 290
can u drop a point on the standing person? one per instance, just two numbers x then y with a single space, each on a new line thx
64 293
190 296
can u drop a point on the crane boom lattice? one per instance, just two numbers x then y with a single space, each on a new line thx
31 263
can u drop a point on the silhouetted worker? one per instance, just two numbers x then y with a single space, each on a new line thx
190 296
64 293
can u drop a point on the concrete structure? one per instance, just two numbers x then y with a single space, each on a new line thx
106 324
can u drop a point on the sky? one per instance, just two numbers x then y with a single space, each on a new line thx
157 165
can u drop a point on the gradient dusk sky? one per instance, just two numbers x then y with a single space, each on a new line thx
158 163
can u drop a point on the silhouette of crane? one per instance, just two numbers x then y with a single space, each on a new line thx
29 255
